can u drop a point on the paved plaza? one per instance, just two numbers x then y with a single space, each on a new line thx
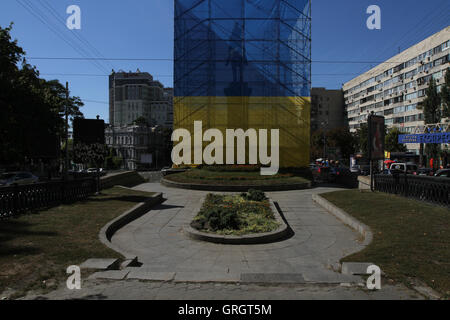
319 240
302 266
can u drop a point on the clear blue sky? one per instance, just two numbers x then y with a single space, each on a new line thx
144 29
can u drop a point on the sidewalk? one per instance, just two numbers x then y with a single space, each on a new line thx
320 240
297 268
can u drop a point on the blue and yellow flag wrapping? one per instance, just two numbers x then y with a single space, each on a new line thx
245 64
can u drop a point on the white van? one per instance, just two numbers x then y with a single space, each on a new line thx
409 168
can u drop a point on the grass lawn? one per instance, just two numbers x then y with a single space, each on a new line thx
411 238
235 215
242 178
39 247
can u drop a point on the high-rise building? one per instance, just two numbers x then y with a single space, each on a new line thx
395 87
135 95
245 65
327 109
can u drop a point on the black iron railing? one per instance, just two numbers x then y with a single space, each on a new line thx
430 189
17 200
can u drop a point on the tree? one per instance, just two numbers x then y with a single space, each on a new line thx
31 107
141 121
392 144
91 155
431 107
445 94
362 138
317 144
344 140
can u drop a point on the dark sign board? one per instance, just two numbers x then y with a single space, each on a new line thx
88 131
426 138
376 137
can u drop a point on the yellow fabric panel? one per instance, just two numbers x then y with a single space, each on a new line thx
291 115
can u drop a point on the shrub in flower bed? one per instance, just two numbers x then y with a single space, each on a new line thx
247 213
233 168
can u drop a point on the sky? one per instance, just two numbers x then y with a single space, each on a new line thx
144 29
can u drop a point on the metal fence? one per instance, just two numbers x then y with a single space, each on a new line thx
430 189
17 200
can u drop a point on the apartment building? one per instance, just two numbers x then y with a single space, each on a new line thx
136 94
327 109
395 87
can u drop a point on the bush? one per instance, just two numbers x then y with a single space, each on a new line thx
254 195
232 168
218 218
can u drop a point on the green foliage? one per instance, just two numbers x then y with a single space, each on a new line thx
232 168
234 215
392 144
362 138
254 195
342 138
431 105
220 218
445 94
91 154
31 107
141 121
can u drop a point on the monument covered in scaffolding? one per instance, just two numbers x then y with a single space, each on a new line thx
245 64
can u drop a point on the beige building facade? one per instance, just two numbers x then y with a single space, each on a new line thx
136 94
394 88
327 109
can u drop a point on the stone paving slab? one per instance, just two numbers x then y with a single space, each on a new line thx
100 264
135 289
272 278
148 274
207 277
359 268
157 239
111 274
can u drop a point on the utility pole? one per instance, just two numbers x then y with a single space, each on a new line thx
66 166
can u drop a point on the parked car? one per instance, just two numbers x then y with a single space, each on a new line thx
425 172
17 178
444 173
407 168
168 170
336 172
94 171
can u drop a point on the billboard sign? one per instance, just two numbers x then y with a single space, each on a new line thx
426 138
376 137
88 131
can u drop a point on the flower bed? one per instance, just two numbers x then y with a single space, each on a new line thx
248 213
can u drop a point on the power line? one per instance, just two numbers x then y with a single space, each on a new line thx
171 60
38 14
80 37
169 75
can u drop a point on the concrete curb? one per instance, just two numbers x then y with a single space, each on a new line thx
234 188
363 229
260 238
130 215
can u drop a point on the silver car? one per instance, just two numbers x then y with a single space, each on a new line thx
17 178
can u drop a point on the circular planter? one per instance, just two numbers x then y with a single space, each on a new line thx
257 238
235 188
